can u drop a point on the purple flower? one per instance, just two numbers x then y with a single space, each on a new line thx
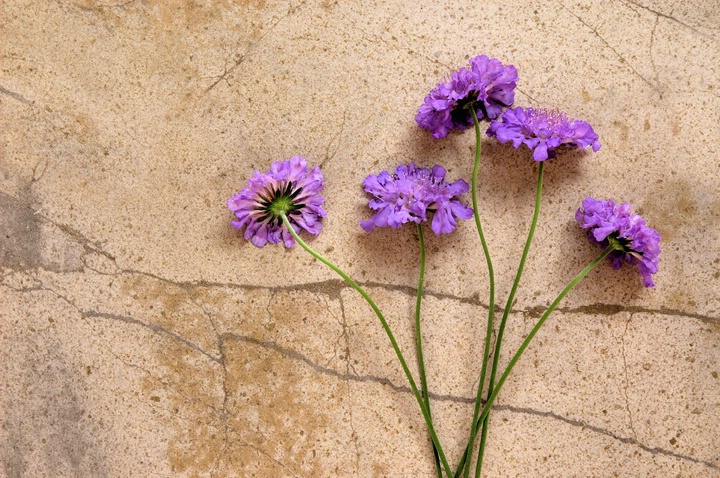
486 87
635 242
542 130
287 188
411 194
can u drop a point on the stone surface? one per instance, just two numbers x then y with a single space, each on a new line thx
141 336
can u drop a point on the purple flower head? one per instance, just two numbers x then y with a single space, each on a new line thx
287 188
411 194
609 223
542 130
486 87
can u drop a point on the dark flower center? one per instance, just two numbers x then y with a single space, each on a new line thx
279 205
467 101
278 202
460 113
623 245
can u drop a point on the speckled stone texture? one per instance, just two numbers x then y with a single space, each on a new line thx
142 336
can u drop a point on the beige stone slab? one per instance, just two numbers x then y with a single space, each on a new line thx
597 371
550 448
74 394
244 421
142 336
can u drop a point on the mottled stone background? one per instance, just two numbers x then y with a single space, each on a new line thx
142 337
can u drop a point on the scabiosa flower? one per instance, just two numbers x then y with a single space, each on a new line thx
609 223
486 87
287 188
411 194
542 130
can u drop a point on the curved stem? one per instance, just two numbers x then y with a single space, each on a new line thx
376 309
418 337
506 312
534 331
491 276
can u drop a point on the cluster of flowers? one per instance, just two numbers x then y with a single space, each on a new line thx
411 193
276 206
488 86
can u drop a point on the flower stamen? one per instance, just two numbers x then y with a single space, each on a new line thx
543 131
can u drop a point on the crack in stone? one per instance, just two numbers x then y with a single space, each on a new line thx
347 377
260 451
333 140
622 59
627 381
242 57
666 16
15 96
650 50
292 354
155 328
348 367
602 431
333 287
613 309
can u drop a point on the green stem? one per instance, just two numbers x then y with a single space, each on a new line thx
506 313
418 336
376 309
491 275
534 331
